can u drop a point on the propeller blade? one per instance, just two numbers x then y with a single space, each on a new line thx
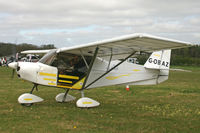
14 65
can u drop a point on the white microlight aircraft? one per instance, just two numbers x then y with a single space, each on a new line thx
97 64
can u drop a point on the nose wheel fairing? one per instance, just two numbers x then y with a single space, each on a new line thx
28 99
86 102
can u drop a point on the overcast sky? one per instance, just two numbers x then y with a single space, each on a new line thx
74 22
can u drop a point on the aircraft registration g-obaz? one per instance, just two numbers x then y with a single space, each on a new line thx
98 64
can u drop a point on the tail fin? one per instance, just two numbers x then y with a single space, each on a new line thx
159 60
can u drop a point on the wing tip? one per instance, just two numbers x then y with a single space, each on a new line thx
36 51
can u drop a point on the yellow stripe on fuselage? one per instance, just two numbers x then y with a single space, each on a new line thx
116 77
47 74
68 77
62 86
136 70
52 84
64 81
49 79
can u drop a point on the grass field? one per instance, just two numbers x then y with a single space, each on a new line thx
172 107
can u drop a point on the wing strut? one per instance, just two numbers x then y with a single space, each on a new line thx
109 70
84 59
90 67
111 54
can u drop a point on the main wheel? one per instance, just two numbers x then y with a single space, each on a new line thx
27 104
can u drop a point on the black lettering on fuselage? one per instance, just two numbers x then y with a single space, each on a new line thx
159 62
150 60
155 61
167 64
163 63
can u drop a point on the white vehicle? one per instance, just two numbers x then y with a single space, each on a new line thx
98 64
30 58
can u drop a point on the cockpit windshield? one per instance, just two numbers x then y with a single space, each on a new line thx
48 58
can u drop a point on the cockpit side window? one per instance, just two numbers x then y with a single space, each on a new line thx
70 64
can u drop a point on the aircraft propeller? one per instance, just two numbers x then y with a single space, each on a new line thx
14 65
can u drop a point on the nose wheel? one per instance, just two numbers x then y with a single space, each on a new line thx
27 104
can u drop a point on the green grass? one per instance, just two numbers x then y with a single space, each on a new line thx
173 106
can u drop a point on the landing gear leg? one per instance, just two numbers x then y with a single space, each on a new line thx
82 93
65 95
34 86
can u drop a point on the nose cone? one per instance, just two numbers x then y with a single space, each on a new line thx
13 65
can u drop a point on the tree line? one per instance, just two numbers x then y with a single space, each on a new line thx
187 56
7 49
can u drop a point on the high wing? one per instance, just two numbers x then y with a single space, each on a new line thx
122 46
